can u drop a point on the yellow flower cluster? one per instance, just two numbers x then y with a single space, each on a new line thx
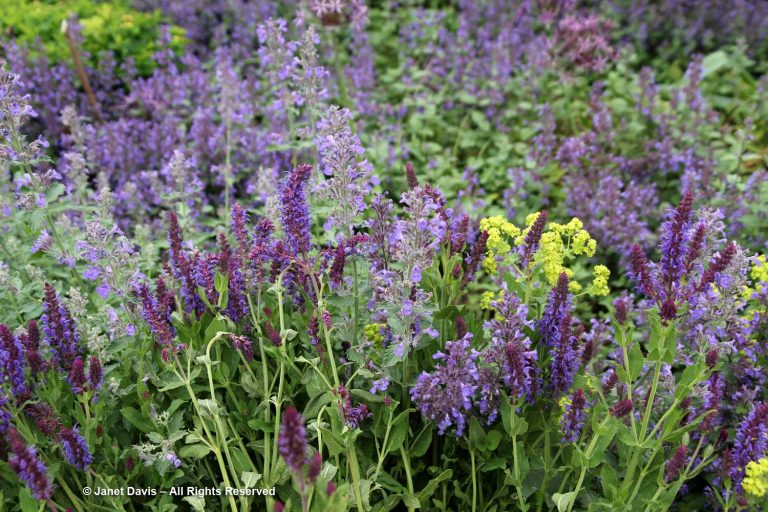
600 282
759 275
557 243
499 230
552 252
488 297
374 334
756 481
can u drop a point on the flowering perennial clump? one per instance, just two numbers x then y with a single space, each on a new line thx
330 256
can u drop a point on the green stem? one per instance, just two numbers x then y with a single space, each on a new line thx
583 472
355 470
641 435
474 480
408 476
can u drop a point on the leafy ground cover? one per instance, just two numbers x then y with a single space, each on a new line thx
474 255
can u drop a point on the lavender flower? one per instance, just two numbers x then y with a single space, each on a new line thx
445 395
565 359
25 462
292 442
294 211
572 421
315 466
751 441
60 331
77 379
557 308
75 449
151 311
353 414
244 345
622 408
340 156
511 347
12 362
95 373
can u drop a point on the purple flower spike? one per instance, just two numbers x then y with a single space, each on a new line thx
12 362
75 450
59 329
28 466
558 306
77 379
294 210
675 464
572 421
292 442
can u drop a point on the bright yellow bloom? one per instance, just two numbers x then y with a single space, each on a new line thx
374 334
582 243
488 297
500 230
600 282
756 481
573 286
485 300
551 255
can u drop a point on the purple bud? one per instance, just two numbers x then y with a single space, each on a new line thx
622 408
292 442
675 464
315 465
25 462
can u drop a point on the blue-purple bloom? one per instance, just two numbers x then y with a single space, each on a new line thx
294 210
572 421
12 362
446 395
379 385
565 359
558 307
751 441
75 449
511 347
60 330
292 441
25 462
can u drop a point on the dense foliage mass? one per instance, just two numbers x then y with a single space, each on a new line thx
472 255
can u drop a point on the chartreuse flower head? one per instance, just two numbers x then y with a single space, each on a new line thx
500 233
489 297
759 276
375 333
600 282
559 244
756 480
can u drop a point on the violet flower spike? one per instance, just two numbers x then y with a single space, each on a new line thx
292 441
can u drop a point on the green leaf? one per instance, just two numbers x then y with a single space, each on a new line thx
196 502
563 501
422 444
398 432
137 419
476 433
635 362
411 501
429 489
333 441
197 451
26 501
